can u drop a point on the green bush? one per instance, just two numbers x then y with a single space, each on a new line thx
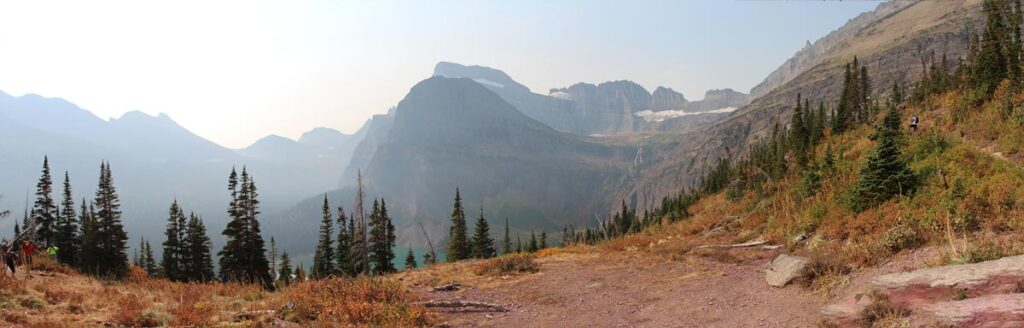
900 237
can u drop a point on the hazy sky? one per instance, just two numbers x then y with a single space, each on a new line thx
235 71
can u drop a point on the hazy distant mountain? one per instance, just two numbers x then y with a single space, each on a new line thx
453 132
154 161
609 108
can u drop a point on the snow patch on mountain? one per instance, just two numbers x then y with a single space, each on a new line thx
487 82
652 116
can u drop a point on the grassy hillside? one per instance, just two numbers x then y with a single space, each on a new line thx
59 297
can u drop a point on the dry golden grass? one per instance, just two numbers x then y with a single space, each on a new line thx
59 297
508 264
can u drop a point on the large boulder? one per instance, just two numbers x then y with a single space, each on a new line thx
945 283
784 269
1001 310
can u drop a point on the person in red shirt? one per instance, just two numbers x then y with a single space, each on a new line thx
29 249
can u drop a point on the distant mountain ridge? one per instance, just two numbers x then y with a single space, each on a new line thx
608 108
154 161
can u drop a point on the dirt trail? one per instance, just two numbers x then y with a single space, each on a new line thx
624 289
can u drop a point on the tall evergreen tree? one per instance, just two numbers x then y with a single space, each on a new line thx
885 174
197 245
87 259
799 135
300 273
285 274
139 252
111 237
506 243
44 211
343 253
543 240
147 256
381 253
323 258
533 243
360 233
273 258
410 259
68 240
173 260
458 241
244 255
482 243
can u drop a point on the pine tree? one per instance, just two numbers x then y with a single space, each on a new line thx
482 243
343 254
506 243
172 262
885 174
44 218
381 240
273 258
410 260
87 260
68 240
285 274
799 136
360 233
199 265
990 67
543 240
244 255
150 263
139 262
458 243
532 247
300 273
111 239
231 256
323 258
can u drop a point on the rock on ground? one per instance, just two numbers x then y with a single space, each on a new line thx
784 269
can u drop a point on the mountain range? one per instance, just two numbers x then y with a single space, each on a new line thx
540 160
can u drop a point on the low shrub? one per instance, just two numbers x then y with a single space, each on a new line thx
48 264
352 302
900 237
881 311
508 264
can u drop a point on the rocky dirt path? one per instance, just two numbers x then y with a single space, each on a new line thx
629 289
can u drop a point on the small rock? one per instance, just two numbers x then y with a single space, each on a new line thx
784 269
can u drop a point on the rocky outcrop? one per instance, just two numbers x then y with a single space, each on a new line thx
812 54
667 99
784 269
911 289
719 99
1003 310
986 294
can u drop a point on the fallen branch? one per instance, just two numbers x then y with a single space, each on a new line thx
746 244
463 306
447 288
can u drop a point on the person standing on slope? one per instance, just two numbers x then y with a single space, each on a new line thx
30 250
914 122
10 256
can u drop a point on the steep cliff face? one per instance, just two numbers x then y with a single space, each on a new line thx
667 99
813 54
892 48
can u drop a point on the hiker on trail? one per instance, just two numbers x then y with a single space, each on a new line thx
914 122
30 250
10 256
